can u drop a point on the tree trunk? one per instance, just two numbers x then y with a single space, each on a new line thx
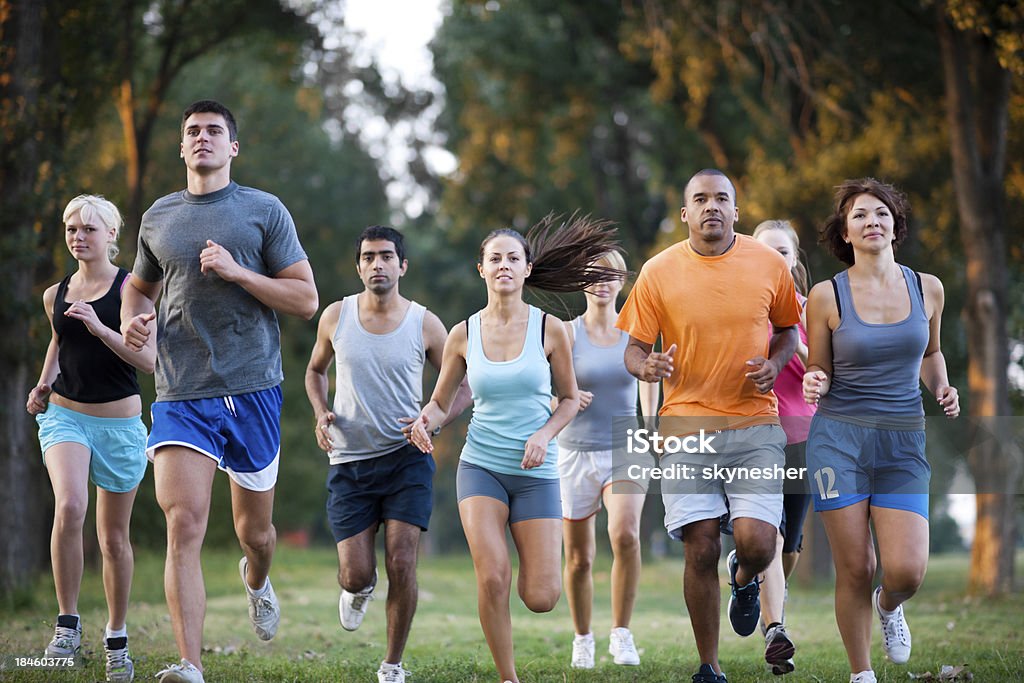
23 512
977 97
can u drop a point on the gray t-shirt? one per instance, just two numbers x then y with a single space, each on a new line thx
213 338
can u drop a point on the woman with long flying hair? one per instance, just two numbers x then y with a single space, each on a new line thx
508 476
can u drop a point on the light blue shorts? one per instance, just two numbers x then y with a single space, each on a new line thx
117 445
848 463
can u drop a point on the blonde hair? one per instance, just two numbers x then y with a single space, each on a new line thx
96 210
612 259
799 271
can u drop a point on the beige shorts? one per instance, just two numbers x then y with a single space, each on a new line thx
710 494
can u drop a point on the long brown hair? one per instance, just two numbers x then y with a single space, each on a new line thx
564 251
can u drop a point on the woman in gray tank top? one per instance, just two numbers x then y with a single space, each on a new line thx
588 474
873 337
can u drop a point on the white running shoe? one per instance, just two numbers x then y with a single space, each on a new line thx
120 668
186 672
863 677
895 632
352 606
391 673
583 652
264 610
67 637
621 647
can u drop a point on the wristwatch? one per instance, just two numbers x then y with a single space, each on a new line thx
436 430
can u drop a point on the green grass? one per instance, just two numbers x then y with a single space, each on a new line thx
446 643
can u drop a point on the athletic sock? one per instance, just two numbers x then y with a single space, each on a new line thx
119 633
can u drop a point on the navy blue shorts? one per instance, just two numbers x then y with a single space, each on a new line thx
794 504
849 463
526 497
398 485
241 433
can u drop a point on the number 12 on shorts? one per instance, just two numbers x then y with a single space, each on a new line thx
826 480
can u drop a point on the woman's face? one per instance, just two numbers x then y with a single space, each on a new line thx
780 242
603 293
504 267
87 241
869 224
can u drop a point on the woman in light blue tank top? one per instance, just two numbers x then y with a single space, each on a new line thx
873 337
589 474
507 475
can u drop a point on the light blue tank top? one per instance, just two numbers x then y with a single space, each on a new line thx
876 368
511 401
600 370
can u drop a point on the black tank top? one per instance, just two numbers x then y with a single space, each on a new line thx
89 371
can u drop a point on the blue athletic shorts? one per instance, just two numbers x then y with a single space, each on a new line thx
526 497
117 445
397 485
241 433
848 463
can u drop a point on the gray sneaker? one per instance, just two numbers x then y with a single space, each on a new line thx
120 668
186 672
67 637
264 610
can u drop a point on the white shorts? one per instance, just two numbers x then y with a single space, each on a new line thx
709 496
584 475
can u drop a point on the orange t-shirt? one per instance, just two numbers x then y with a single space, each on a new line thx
715 310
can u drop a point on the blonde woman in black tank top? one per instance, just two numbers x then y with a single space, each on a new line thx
88 408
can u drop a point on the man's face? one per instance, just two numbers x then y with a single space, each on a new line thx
379 266
206 144
710 209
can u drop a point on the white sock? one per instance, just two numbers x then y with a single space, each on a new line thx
585 636
885 612
119 633
387 665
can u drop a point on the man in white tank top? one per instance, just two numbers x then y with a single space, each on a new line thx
378 340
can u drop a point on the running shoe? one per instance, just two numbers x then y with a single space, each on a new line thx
621 647
352 606
67 637
391 673
706 674
779 650
895 632
583 652
863 677
186 672
264 610
120 668
744 603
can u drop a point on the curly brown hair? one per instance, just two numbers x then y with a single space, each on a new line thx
563 252
833 231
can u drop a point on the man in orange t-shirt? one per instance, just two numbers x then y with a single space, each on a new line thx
709 299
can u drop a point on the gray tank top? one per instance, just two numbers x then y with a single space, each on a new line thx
876 368
600 370
379 379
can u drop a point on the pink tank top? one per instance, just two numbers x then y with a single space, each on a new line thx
794 413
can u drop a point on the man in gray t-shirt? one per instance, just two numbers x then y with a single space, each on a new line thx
227 260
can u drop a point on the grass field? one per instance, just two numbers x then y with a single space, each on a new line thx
446 644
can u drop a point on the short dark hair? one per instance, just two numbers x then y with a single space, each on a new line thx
834 229
211 107
708 171
381 232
